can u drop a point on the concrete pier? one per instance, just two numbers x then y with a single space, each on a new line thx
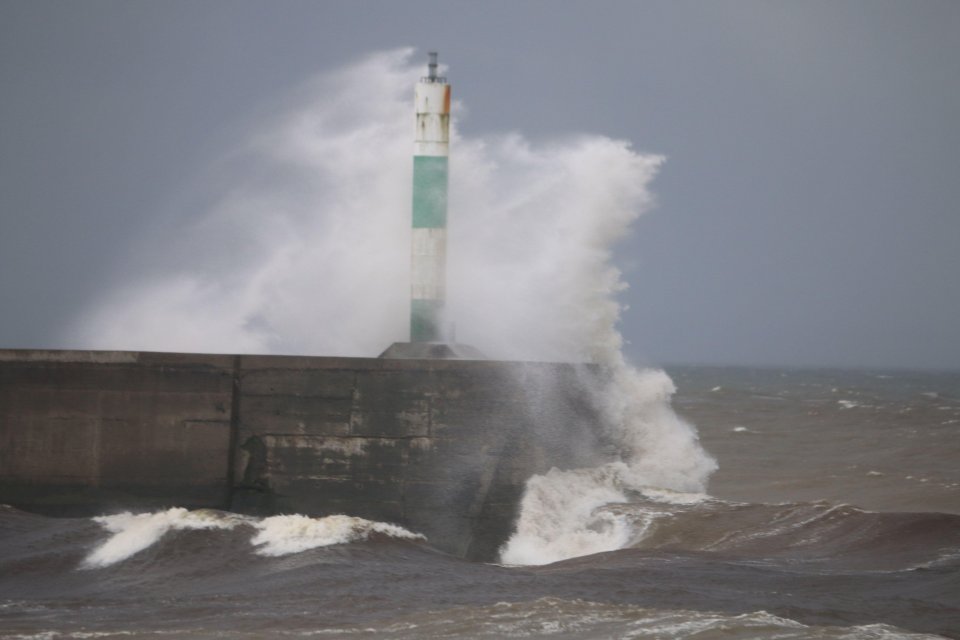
442 447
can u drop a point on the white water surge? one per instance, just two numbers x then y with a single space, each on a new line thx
661 458
305 251
274 536
283 535
133 533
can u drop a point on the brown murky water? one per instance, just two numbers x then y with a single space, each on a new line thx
835 514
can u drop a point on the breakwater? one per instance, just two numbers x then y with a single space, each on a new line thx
442 447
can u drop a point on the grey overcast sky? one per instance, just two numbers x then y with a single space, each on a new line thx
807 212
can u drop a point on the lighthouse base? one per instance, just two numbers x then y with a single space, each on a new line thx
432 351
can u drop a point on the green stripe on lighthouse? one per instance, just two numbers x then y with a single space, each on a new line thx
429 192
425 318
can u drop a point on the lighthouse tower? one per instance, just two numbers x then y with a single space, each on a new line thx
428 264
431 148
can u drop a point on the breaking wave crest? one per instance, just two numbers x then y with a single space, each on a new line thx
273 536
282 535
132 533
562 515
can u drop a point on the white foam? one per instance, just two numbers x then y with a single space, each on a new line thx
583 619
880 632
275 536
666 496
283 535
690 624
561 515
132 533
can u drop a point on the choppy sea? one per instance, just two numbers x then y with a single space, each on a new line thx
835 513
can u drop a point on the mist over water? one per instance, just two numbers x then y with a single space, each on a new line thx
306 252
304 247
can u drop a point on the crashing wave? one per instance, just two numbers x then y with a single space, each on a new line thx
275 536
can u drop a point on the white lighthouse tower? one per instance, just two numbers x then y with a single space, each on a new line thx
431 150
429 337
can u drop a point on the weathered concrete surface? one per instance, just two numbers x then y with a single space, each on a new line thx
86 431
442 447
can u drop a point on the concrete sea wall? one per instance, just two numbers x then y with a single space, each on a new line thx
442 447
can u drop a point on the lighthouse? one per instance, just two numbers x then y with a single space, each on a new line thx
431 150
429 336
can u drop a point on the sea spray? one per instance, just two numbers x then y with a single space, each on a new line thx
306 254
530 261
298 241
561 514
559 517
295 241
